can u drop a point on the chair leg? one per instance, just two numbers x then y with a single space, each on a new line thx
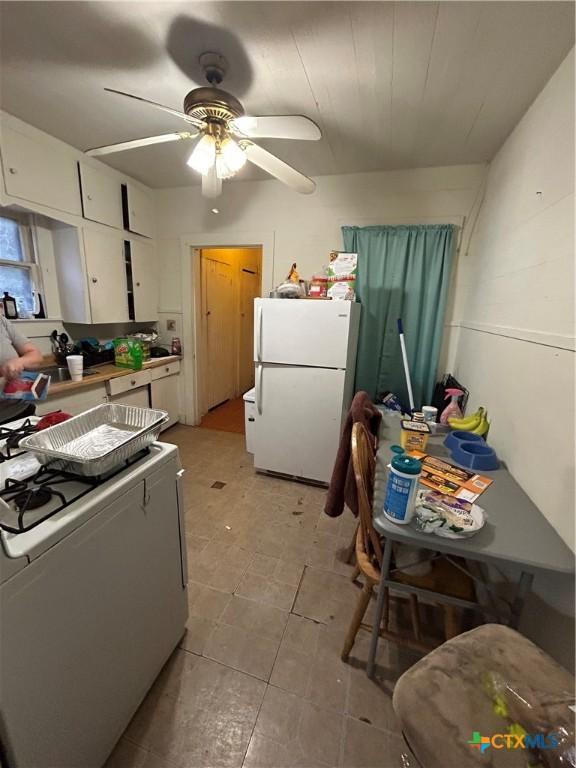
452 621
361 607
350 552
415 617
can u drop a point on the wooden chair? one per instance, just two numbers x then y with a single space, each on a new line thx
443 577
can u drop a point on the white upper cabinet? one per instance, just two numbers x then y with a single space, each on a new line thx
144 281
101 196
138 210
40 172
106 275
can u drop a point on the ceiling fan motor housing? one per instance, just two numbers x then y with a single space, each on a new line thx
208 103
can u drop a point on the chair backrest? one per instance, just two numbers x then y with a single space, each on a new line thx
364 462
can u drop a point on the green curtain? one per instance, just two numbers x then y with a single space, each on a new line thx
403 272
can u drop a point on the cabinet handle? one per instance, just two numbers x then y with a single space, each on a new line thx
88 197
133 382
167 370
94 279
13 171
137 285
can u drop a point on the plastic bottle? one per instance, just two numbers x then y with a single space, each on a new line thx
137 356
403 475
452 410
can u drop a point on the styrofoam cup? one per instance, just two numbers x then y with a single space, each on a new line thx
75 366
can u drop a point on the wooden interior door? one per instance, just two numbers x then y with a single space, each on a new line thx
249 290
218 312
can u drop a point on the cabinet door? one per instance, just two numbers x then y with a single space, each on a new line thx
41 173
106 271
138 397
140 211
101 196
75 402
144 281
165 397
249 290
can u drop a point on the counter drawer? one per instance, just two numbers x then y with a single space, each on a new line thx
132 380
165 370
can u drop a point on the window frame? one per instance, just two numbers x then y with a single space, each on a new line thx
28 244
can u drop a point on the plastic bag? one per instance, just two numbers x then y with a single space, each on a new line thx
542 721
29 385
447 516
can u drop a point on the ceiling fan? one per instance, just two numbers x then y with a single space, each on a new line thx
222 134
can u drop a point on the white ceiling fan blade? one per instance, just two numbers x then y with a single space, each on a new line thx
278 168
135 143
211 184
176 112
277 127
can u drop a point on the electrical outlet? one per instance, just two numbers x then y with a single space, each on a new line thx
170 325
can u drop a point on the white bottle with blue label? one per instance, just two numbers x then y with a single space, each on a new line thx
403 476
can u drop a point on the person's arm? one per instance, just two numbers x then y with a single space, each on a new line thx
29 357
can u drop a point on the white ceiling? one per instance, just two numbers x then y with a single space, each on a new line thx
392 85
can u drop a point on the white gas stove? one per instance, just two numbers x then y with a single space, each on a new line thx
92 597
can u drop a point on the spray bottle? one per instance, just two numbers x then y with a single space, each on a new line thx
403 475
452 410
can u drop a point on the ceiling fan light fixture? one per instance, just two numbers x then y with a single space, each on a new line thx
229 159
203 155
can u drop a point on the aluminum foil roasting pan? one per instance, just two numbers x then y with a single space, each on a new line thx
97 440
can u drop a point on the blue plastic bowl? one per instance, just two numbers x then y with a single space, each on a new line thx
455 438
476 456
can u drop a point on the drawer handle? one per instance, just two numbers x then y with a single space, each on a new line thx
13 171
167 370
133 382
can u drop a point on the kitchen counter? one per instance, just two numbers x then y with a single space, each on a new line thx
104 373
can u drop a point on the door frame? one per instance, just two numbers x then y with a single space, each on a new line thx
190 247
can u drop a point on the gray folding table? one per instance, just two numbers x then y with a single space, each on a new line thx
516 535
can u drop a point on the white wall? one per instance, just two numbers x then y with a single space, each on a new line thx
514 303
512 334
307 227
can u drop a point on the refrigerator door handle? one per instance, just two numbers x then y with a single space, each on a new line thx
259 333
259 369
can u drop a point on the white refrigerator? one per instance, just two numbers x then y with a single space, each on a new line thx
305 356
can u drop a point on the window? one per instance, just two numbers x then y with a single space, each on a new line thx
17 267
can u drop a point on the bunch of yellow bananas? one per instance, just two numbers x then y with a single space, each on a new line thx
477 423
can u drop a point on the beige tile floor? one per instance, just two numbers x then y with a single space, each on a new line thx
257 681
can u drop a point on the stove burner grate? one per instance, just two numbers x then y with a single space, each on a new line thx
32 498
32 493
12 437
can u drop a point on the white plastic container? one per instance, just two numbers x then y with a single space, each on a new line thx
403 476
430 414
249 418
